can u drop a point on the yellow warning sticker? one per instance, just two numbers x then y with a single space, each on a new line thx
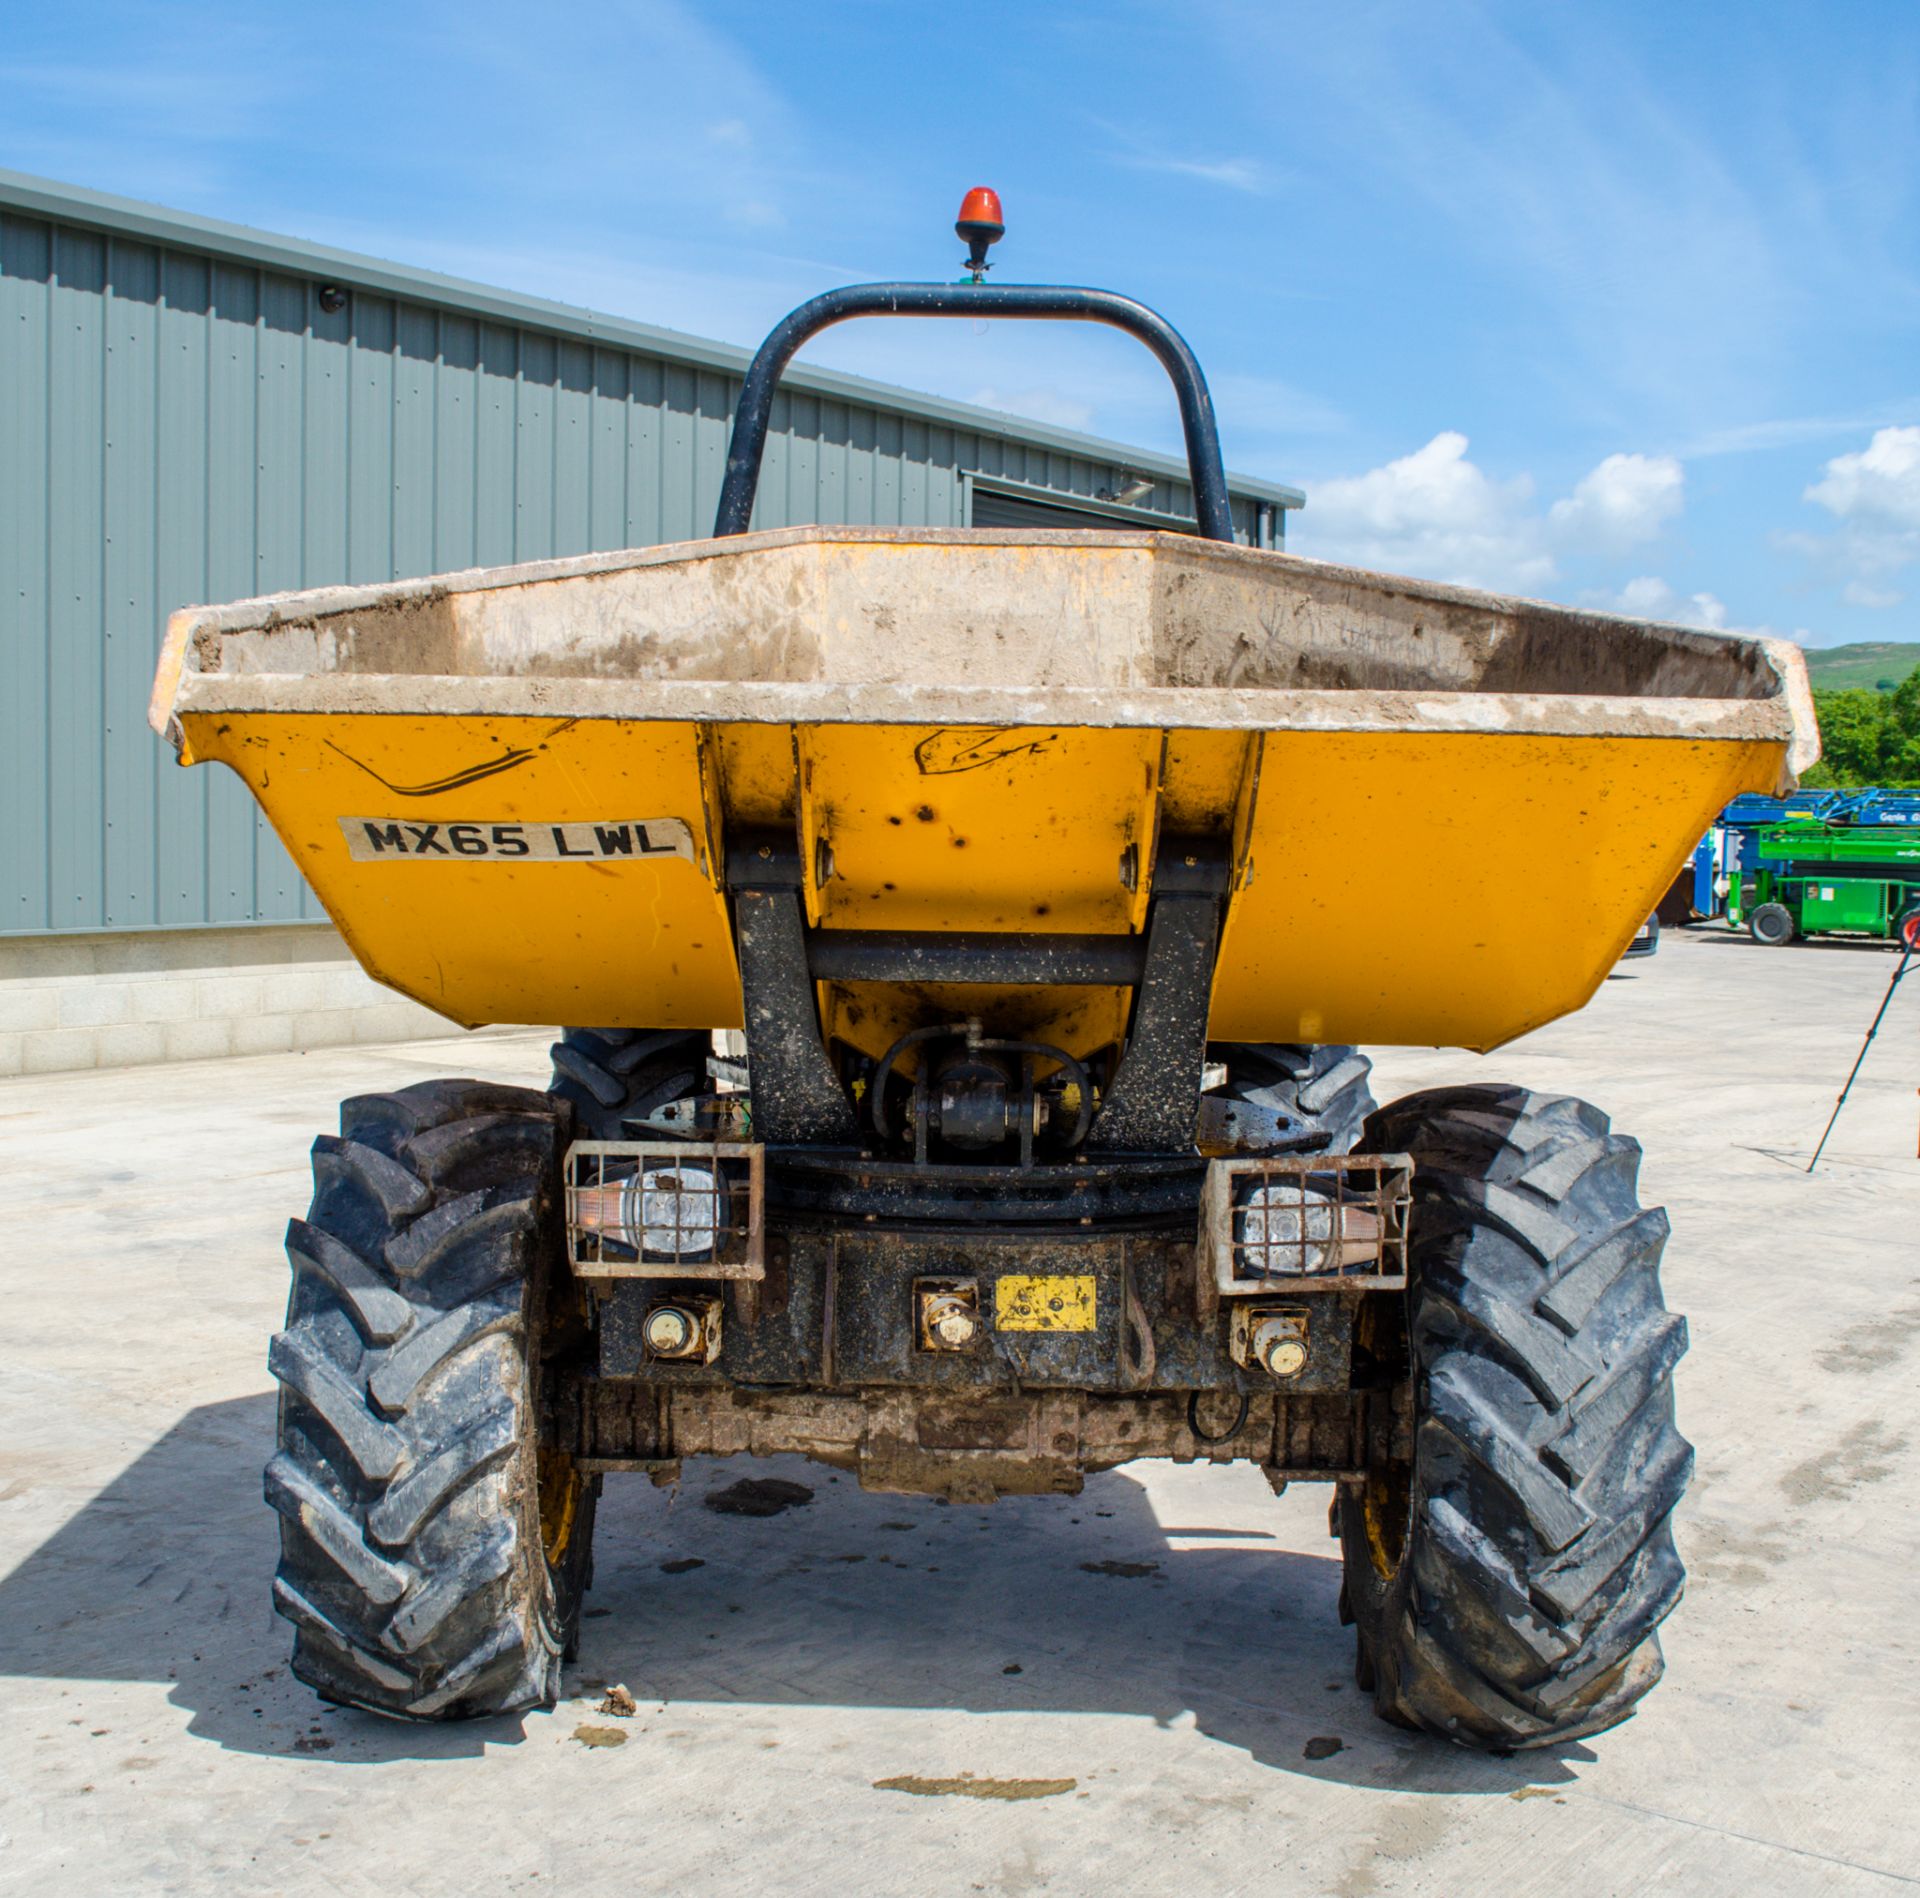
1022 1302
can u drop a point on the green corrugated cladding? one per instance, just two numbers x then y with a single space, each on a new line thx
180 421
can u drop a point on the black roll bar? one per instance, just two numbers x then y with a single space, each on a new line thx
1046 302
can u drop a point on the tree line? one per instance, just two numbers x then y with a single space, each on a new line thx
1869 737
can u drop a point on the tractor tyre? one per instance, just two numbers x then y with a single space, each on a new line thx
433 1550
613 1075
1507 1580
1771 924
1324 1085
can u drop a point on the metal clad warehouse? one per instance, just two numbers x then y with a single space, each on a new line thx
192 411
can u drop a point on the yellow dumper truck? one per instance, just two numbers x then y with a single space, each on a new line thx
977 928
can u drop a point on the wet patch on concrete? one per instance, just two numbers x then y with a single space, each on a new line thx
1716 1551
1864 1455
1875 1343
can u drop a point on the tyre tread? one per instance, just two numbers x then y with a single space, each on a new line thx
1324 1084
613 1075
1547 1460
409 1568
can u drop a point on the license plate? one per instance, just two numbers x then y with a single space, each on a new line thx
404 840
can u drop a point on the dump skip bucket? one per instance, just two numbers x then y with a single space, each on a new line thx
1445 812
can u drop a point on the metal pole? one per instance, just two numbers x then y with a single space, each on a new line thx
1906 955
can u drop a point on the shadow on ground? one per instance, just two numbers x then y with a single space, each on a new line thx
1724 938
1034 1606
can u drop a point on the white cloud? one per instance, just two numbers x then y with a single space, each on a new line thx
1432 513
1675 257
1649 597
1237 174
1437 514
1746 438
1882 480
1250 175
1624 501
1874 494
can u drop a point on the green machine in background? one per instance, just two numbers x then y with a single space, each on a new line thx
1827 876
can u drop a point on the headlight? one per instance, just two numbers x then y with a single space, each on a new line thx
674 1213
1288 1227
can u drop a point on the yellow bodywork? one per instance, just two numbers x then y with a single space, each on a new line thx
1422 888
1447 813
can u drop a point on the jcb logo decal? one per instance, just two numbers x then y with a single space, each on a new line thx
401 840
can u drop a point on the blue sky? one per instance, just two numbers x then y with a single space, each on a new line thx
1614 303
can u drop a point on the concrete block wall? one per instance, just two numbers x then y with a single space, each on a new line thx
100 1001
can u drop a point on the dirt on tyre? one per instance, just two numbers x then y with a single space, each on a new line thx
1507 1583
611 1076
433 1554
1771 925
1324 1086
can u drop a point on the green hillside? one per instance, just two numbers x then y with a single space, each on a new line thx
1876 665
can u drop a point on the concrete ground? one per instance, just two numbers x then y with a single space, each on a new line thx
786 1669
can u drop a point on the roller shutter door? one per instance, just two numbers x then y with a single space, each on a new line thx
1015 510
